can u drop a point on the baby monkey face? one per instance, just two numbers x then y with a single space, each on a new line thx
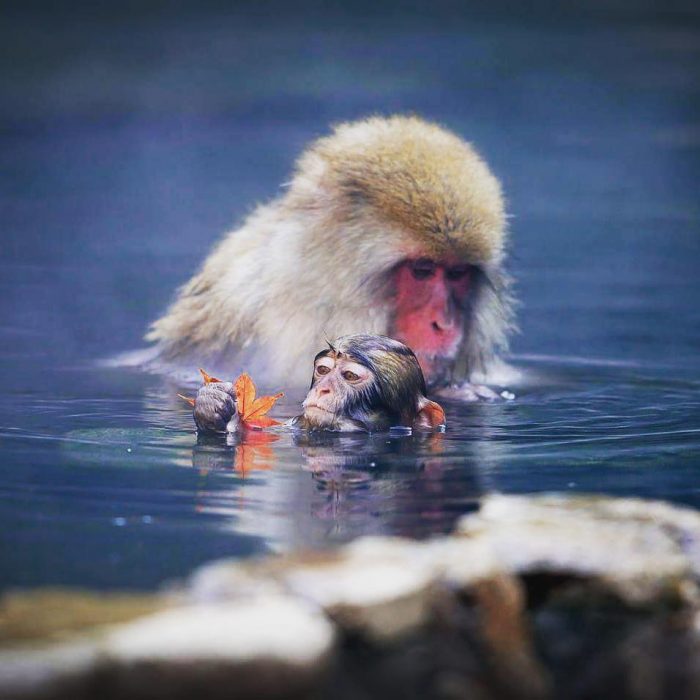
368 383
336 381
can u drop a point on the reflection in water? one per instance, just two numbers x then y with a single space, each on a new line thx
314 489
252 452
386 477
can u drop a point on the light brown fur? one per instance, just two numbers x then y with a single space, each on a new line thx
313 261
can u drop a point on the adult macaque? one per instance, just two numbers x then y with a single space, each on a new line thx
389 226
360 383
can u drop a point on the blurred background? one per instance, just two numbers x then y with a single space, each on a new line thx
133 135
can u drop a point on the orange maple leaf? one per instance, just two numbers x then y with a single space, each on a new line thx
254 453
190 401
207 378
251 410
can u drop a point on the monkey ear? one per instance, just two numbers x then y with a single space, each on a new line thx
430 415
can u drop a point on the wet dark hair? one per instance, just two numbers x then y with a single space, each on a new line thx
391 399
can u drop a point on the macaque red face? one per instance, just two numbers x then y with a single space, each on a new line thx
431 303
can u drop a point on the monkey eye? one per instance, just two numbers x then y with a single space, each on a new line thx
323 369
350 376
423 269
458 272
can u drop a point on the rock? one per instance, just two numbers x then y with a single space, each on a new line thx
376 586
271 646
55 613
533 598
505 633
59 670
272 627
231 579
380 587
462 562
641 550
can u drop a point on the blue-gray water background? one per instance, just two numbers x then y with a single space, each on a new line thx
131 139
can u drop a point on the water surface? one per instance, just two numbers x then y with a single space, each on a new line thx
130 144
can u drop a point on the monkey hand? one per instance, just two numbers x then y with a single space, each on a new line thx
472 392
214 408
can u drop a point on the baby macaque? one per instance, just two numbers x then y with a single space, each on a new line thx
369 383
360 383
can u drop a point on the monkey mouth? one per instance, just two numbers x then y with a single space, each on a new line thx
316 407
318 416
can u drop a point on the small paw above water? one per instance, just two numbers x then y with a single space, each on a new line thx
215 408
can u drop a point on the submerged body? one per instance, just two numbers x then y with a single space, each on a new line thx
360 383
389 226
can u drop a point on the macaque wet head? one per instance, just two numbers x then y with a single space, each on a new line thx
368 382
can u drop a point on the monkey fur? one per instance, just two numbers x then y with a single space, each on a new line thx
316 260
215 409
395 394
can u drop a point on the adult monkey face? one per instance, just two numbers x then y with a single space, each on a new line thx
431 300
368 382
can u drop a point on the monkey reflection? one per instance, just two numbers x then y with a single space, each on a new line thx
332 487
364 483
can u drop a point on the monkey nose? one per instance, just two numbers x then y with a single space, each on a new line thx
442 325
323 391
